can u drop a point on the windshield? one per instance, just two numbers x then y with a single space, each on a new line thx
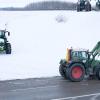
80 54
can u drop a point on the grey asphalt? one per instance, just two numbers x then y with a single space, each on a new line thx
54 88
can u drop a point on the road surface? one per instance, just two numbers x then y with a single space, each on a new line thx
54 88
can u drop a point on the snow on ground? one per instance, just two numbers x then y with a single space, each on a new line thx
39 41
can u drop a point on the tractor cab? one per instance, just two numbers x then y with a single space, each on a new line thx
80 55
2 33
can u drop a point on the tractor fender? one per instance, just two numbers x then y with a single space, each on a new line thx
71 63
63 62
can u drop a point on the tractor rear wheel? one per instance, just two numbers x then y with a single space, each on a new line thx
8 48
76 72
62 72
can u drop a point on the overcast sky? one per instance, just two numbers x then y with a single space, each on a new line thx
22 3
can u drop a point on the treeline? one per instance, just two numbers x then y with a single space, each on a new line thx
46 5
51 5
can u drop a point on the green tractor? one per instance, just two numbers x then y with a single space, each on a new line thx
80 63
83 5
5 46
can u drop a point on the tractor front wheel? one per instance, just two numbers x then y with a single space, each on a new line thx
76 72
62 72
98 73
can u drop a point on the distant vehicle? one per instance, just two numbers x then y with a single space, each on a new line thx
4 44
80 63
83 5
98 4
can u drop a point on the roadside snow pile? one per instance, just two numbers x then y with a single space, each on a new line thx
39 42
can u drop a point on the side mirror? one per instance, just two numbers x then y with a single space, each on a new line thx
8 33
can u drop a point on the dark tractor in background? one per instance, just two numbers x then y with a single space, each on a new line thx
83 5
5 46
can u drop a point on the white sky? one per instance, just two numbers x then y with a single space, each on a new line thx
14 3
21 3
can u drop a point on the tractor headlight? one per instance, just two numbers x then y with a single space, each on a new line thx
84 61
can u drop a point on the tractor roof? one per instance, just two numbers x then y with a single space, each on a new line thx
79 49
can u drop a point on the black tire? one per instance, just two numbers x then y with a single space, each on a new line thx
78 8
98 73
62 72
8 48
88 7
76 72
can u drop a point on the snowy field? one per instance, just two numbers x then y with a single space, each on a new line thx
39 40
